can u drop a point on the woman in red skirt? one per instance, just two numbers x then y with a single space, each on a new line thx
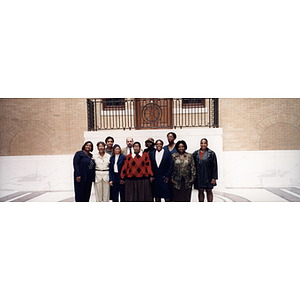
137 174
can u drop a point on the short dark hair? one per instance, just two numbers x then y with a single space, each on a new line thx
174 135
86 144
159 140
113 153
137 143
109 138
180 142
102 143
204 140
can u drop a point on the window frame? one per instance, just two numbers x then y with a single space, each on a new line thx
120 104
194 104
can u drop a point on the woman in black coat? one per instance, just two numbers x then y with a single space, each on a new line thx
207 171
162 167
84 172
115 167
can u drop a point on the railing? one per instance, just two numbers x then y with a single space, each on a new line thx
151 113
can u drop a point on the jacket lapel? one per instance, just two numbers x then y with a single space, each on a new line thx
205 155
119 161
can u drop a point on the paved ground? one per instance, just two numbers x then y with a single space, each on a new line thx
291 194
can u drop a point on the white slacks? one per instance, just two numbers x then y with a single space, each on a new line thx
102 191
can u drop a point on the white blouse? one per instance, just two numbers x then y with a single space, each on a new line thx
116 163
140 154
159 156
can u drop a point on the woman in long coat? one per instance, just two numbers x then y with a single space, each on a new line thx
207 171
171 136
84 172
116 164
162 167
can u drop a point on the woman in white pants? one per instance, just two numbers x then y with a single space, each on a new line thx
102 174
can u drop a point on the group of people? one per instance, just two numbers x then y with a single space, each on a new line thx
158 172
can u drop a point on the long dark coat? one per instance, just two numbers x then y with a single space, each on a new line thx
161 188
207 169
84 166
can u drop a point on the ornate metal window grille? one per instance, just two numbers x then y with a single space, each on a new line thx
141 113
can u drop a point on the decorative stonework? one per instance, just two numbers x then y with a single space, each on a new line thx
43 139
266 123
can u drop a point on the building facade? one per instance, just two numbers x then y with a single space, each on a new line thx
57 126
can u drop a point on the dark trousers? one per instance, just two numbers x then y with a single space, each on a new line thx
171 191
117 189
82 190
111 193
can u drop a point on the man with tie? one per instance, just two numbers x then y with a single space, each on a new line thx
129 149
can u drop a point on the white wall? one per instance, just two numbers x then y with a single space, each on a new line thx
191 135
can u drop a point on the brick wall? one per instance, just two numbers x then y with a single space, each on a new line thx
42 126
56 126
260 124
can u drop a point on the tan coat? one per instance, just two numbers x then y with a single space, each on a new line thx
124 151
